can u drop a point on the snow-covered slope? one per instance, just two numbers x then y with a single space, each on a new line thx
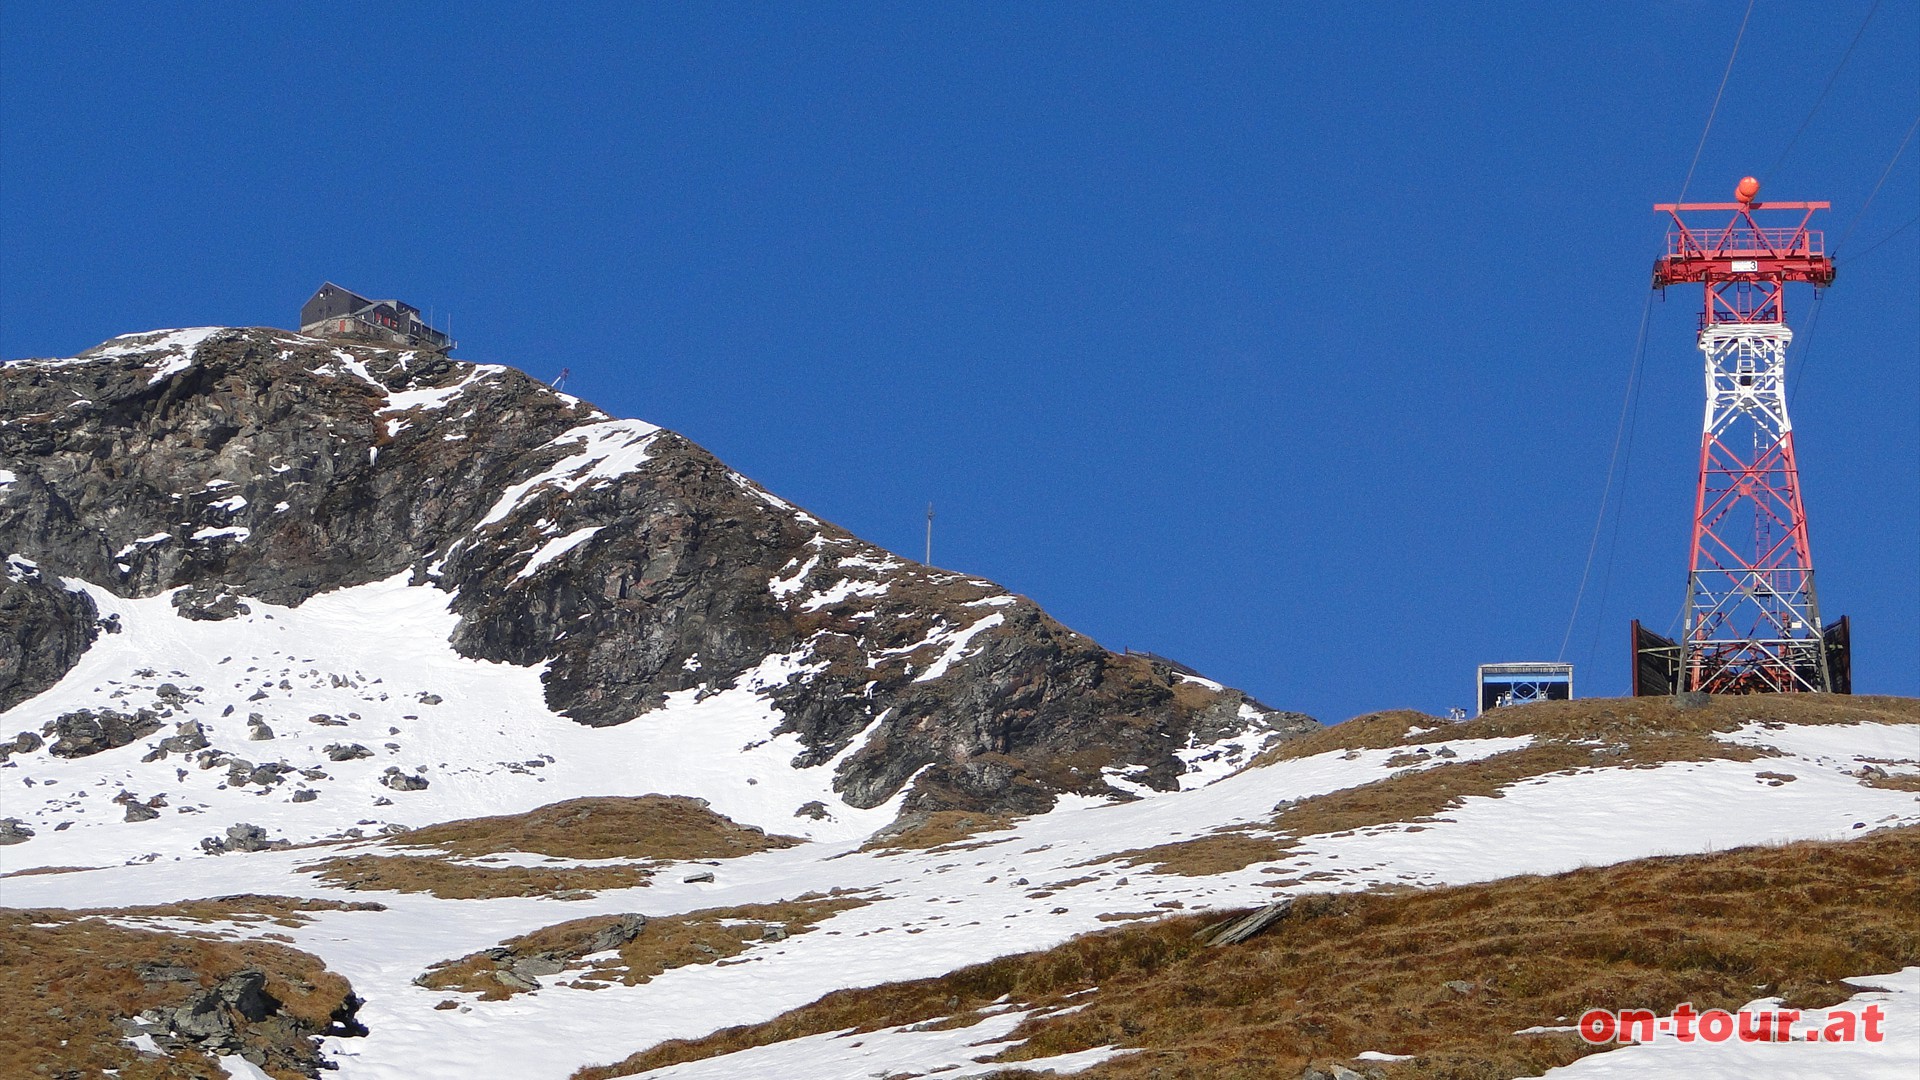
342 709
238 469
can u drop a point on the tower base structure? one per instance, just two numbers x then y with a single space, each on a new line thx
1657 665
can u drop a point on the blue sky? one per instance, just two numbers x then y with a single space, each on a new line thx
1287 340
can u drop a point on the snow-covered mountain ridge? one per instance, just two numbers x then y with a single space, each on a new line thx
240 468
395 591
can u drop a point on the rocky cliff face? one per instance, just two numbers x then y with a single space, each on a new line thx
231 464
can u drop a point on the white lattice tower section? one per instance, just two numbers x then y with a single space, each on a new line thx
1753 621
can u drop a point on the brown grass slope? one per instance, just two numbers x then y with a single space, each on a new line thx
1356 972
1568 735
1600 718
652 828
665 942
66 980
640 827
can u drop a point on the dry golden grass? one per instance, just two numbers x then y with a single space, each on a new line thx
1599 718
1219 852
940 829
643 827
1568 735
65 978
668 941
1372 731
1368 971
32 871
1895 783
242 908
450 880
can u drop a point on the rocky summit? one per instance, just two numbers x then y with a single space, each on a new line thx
369 713
235 468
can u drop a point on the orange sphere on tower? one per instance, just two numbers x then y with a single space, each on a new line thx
1749 187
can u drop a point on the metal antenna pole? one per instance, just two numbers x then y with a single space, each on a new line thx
929 558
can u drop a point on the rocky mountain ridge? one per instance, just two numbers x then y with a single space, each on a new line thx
626 561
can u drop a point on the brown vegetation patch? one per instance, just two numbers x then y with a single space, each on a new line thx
1612 719
1347 973
938 829
69 983
1898 782
450 880
1415 795
1373 731
35 870
660 943
1568 735
244 908
643 827
1221 852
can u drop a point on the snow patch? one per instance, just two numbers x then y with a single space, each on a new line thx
957 647
607 451
553 549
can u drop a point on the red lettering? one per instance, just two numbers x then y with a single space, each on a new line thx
1783 1024
1636 1025
1716 1025
1840 1026
1683 1015
1870 1018
1596 1026
1754 1025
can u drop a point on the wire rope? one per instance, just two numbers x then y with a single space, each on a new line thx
1717 95
1817 102
1622 430
1606 491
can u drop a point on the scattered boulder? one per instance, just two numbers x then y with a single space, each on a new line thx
814 809
305 795
259 732
400 781
517 982
269 774
165 973
618 933
14 831
27 742
242 837
90 731
188 736
533 967
347 752
1460 986
700 876
137 811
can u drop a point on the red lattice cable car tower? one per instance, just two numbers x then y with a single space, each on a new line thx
1752 619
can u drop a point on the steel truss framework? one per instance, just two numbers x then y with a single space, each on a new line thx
1753 619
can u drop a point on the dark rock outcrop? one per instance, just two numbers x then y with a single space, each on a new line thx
43 628
90 731
629 561
241 837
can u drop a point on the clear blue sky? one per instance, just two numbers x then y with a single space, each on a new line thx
1285 339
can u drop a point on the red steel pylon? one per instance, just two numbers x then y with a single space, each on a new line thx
1752 619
